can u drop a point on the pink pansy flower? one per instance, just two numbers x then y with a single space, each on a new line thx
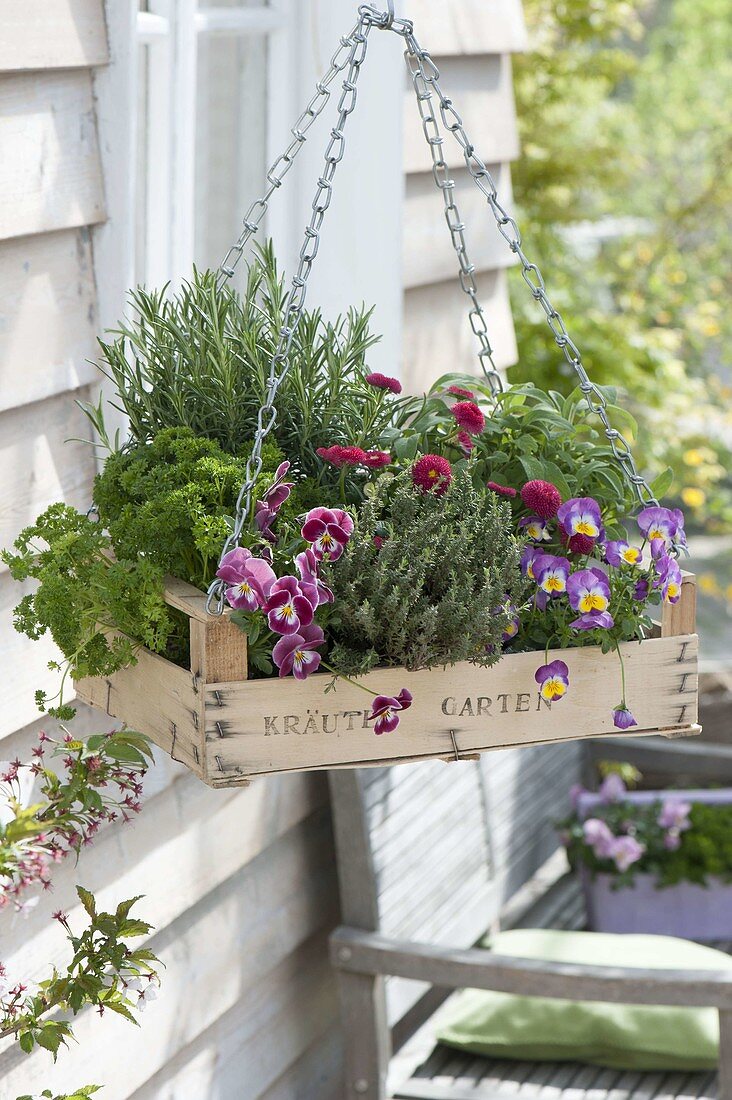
551 574
580 516
288 609
675 814
665 525
536 528
618 552
386 711
328 530
596 620
597 834
622 718
669 578
529 554
553 680
612 788
588 590
310 583
626 851
249 579
296 653
268 506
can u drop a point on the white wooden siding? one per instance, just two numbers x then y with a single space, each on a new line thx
61 34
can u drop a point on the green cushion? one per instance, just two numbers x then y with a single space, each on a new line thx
618 1036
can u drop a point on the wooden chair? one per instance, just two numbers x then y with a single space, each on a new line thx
432 856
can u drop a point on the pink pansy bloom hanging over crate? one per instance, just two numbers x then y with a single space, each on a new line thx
386 711
297 653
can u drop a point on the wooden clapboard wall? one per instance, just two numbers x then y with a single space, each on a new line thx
240 885
471 42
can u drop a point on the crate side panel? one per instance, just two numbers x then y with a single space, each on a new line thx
261 727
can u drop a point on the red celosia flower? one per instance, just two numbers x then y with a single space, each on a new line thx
376 459
501 490
384 382
469 417
458 391
542 498
432 472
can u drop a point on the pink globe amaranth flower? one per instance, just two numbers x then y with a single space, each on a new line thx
668 578
501 490
551 574
376 460
665 525
588 591
675 814
553 680
542 498
288 608
618 552
598 836
535 528
623 719
626 851
312 586
595 620
249 580
468 417
384 382
432 473
612 788
296 653
386 711
459 391
465 440
328 531
580 516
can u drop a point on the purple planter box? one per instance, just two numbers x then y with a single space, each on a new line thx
689 911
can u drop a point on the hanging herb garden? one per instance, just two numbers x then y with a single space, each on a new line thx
288 556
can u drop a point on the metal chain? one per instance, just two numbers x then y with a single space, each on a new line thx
533 278
280 363
455 224
281 166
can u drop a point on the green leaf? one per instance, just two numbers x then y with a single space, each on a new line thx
662 483
87 900
26 1042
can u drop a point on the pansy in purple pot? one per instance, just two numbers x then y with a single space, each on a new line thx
618 552
551 574
249 580
580 516
626 851
553 681
598 835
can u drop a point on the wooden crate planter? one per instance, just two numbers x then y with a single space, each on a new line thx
227 729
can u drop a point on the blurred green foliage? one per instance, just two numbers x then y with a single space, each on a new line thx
624 189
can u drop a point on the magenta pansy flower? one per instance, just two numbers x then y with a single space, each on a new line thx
551 574
312 586
328 530
268 506
598 835
588 590
536 528
296 653
553 680
612 788
623 719
580 516
386 711
669 578
249 579
619 552
664 525
626 851
288 608
675 814
596 620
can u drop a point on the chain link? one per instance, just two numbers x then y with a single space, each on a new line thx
532 276
422 79
280 364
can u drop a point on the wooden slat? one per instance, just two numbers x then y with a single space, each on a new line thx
428 254
482 92
62 34
47 316
680 617
50 174
39 464
468 26
437 333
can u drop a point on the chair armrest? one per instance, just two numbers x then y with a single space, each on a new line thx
355 951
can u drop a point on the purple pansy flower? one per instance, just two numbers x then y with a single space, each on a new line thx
668 578
596 620
536 528
588 591
642 589
622 718
551 574
328 530
529 554
386 711
249 579
626 851
553 680
662 524
312 586
598 835
612 788
675 814
580 516
296 653
288 608
511 628
619 552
